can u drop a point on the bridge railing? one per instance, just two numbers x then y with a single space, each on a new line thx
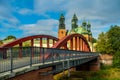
18 57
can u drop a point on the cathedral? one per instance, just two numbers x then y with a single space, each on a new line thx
84 29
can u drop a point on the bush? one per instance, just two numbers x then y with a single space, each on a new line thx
116 59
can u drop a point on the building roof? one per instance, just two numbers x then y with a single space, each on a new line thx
79 30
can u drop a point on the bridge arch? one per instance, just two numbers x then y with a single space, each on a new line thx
19 42
73 42
31 38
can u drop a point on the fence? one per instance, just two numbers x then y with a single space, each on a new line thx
17 57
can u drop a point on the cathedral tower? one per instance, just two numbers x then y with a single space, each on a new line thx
74 22
84 24
89 27
62 30
90 33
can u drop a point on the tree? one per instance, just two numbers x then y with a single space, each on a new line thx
114 38
94 40
116 59
10 37
1 42
109 42
101 43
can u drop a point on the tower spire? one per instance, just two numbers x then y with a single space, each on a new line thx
61 30
89 27
74 21
84 24
62 22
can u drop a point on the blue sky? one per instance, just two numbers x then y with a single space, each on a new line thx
30 17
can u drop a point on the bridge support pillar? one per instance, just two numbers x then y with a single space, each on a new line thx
93 65
83 67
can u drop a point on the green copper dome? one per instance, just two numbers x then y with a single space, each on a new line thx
79 30
84 23
71 32
90 33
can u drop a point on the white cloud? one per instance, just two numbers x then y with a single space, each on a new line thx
41 27
25 11
6 17
101 12
42 6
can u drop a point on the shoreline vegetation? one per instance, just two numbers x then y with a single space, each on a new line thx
107 72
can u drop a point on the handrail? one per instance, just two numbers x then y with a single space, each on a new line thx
10 60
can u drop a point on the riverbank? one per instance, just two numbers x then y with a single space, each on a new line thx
106 73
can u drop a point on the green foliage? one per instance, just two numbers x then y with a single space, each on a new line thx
116 59
102 43
114 38
108 73
10 37
1 42
94 40
114 41
109 42
26 44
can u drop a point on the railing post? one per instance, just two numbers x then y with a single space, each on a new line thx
65 55
59 56
63 63
43 56
63 67
11 60
20 50
52 55
68 68
30 56
32 45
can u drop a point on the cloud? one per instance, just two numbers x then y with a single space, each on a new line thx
101 12
6 18
25 11
41 27
42 6
104 11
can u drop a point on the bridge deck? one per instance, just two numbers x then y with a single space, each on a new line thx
13 65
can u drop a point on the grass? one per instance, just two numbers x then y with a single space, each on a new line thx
106 73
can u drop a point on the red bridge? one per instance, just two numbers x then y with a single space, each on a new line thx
45 56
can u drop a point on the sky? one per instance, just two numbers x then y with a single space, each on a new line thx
33 17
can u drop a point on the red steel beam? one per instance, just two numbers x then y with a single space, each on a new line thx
18 41
40 42
48 43
61 42
20 50
71 44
